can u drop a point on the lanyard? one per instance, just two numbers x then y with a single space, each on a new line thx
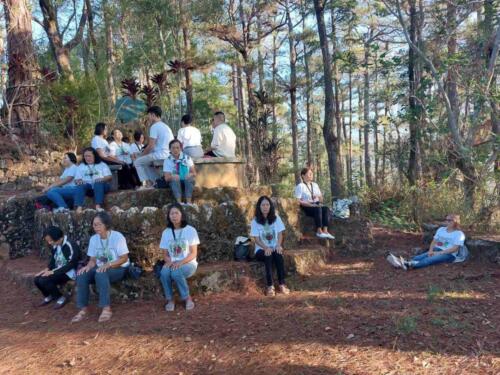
92 171
180 234
104 245
311 190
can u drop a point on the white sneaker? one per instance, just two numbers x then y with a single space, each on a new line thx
170 306
321 235
329 236
394 261
403 263
60 209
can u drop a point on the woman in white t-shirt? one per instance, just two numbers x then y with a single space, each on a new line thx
108 264
267 232
92 176
127 176
179 241
310 200
190 138
138 145
179 172
448 246
61 192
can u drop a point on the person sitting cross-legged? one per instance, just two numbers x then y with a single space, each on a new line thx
180 245
61 267
92 176
179 172
108 264
446 247
267 232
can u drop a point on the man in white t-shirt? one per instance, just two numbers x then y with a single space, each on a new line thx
160 136
223 140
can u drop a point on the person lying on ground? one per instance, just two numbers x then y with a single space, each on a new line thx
93 177
223 140
179 241
190 138
447 246
127 176
267 232
61 192
160 136
61 268
108 264
179 172
310 200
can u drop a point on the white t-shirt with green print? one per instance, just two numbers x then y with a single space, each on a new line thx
178 245
109 249
267 233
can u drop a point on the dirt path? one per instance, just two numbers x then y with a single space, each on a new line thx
353 316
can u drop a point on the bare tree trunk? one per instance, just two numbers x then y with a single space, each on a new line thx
91 34
22 96
293 93
337 99
331 141
375 120
236 102
366 118
241 103
260 59
360 136
349 153
308 89
110 59
273 88
187 57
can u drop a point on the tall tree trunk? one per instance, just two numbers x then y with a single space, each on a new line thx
91 34
331 141
274 69
375 119
241 103
22 96
236 100
187 56
260 59
349 152
308 88
110 59
293 93
360 136
366 117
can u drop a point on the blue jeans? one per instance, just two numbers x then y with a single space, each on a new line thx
180 276
99 189
102 280
177 187
424 260
59 195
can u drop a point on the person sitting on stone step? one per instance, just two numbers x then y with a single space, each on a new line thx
267 232
179 172
310 200
121 150
93 177
223 140
160 136
138 145
190 138
108 264
61 268
179 241
446 247
61 192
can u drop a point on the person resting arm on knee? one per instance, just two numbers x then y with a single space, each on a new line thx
179 172
447 246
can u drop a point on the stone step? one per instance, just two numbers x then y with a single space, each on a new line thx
209 278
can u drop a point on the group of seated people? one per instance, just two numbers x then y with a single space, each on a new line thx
108 259
93 176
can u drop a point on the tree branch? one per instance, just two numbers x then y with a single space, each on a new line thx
79 33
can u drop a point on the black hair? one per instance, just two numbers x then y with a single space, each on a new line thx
105 219
187 119
137 135
184 222
99 128
72 157
175 140
155 110
126 139
97 158
271 216
55 233
220 113
304 171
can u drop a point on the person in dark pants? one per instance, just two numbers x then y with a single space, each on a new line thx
61 268
267 232
311 199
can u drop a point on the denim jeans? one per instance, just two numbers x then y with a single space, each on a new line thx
102 280
60 195
424 260
178 186
99 189
180 277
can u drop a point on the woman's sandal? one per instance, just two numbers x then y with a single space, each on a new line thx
82 314
105 316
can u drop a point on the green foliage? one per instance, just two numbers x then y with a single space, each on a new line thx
406 325
433 292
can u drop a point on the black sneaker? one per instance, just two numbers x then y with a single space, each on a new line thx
61 301
45 301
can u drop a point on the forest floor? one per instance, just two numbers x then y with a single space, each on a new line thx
352 316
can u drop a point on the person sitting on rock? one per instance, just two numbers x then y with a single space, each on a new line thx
180 245
310 200
121 150
446 247
92 176
160 136
267 232
61 267
138 145
223 140
61 192
190 138
108 264
179 172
